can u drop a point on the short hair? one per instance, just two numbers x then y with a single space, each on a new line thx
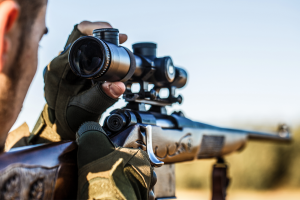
28 14
29 10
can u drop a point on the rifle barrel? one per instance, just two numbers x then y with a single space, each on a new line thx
285 138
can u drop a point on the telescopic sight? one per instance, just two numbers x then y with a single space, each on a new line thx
88 57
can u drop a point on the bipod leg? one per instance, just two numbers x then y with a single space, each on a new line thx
220 181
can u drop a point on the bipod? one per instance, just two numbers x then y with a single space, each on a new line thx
220 181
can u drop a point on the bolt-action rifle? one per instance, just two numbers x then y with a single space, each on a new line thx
167 139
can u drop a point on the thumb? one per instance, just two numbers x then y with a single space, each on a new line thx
113 90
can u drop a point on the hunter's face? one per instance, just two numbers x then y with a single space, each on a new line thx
19 64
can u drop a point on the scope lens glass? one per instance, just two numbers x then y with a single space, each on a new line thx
88 57
170 70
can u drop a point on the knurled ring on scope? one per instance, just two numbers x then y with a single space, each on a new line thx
107 59
115 122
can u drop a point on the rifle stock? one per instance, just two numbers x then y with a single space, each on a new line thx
48 171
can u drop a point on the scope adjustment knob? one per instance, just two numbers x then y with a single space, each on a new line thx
147 49
107 34
179 99
153 94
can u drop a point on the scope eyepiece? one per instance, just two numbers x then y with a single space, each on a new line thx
100 57
89 57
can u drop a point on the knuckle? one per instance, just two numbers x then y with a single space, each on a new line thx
85 22
103 24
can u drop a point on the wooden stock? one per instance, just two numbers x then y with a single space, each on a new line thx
60 156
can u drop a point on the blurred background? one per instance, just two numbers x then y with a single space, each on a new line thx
243 63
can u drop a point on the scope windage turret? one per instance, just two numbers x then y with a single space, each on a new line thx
99 57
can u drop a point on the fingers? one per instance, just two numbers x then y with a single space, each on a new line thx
87 27
113 90
122 38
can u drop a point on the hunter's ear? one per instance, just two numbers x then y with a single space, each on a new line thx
9 11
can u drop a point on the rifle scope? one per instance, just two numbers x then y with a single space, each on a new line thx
99 57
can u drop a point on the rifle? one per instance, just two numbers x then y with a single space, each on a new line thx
167 139
170 139
47 171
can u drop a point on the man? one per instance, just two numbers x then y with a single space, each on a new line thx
104 170
22 25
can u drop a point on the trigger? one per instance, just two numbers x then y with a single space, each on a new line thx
153 159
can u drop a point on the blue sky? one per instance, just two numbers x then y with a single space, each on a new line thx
242 57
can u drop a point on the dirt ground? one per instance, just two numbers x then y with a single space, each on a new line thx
240 195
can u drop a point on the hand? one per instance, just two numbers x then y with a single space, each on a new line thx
87 28
73 100
109 172
114 90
